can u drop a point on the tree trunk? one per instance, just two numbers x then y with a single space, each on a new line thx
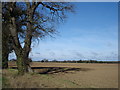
5 51
27 63
5 46
5 60
21 53
23 64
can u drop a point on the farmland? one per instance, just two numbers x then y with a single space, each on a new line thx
64 75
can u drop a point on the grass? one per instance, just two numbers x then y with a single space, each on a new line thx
5 82
11 78
9 73
99 75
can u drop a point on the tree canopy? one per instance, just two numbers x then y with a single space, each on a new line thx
31 20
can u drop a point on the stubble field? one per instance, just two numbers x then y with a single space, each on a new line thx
64 75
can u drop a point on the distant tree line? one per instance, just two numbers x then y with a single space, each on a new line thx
78 61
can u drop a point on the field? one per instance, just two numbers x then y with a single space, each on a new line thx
64 75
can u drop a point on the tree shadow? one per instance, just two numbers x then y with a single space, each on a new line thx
52 70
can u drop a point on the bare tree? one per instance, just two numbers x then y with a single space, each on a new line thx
37 21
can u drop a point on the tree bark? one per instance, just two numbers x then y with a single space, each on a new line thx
5 60
22 54
5 48
23 64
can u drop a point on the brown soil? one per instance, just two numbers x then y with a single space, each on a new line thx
65 75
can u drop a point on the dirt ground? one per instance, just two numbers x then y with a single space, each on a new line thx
64 75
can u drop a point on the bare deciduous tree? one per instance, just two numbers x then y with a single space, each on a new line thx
34 21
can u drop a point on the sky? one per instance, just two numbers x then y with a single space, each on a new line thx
91 32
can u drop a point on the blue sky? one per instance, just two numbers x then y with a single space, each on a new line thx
89 33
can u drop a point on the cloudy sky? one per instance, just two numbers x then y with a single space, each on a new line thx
89 33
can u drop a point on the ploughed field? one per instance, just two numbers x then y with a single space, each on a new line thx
64 75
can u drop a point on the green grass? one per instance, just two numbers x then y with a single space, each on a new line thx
12 70
5 83
5 80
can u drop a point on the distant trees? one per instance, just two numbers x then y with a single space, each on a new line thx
44 60
31 20
81 61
